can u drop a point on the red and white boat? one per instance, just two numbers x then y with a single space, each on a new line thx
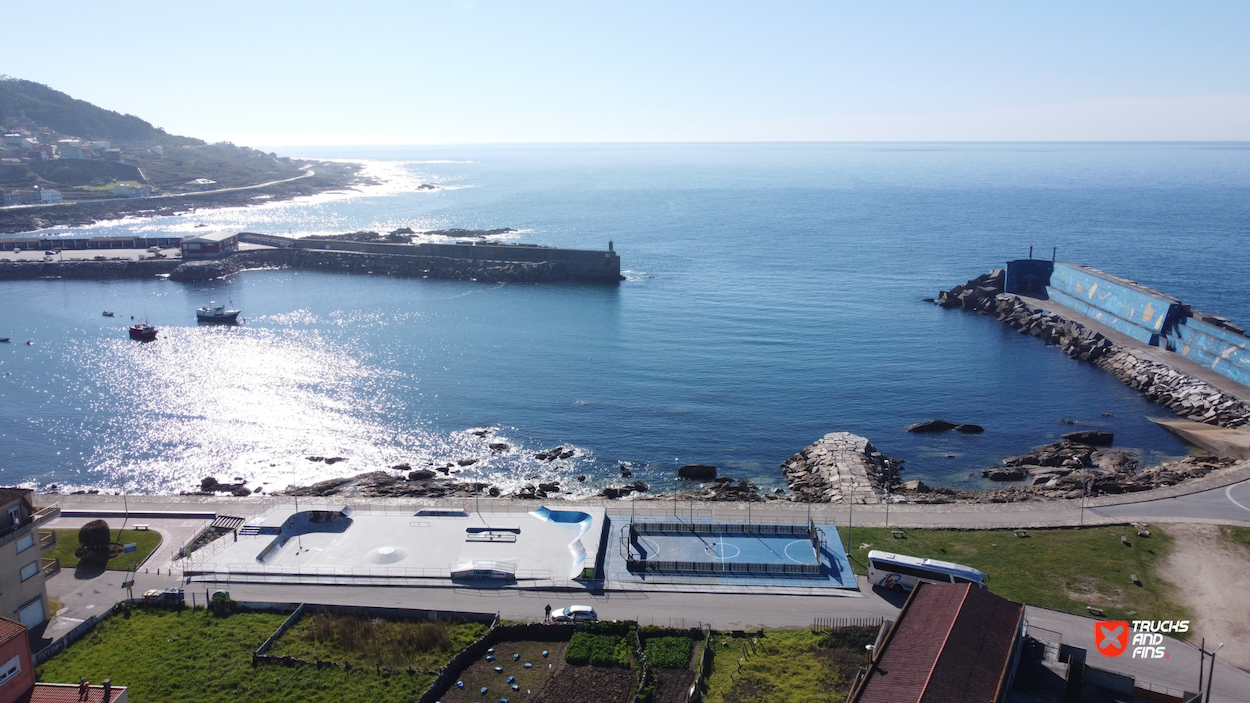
143 332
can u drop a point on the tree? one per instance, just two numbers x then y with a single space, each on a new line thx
95 536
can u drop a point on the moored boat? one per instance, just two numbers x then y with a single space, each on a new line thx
108 313
143 332
216 313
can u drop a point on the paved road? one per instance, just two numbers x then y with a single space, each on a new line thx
1179 671
1228 503
266 184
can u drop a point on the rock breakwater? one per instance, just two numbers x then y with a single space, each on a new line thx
1185 395
840 468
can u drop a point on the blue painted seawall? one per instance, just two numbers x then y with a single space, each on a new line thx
1147 315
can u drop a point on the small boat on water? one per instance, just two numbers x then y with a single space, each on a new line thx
108 313
4 340
216 313
143 332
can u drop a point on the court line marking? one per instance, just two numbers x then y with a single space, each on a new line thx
718 550
798 541
1228 493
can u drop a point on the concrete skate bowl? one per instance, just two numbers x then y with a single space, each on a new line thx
308 522
573 520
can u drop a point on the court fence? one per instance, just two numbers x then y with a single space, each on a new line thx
636 561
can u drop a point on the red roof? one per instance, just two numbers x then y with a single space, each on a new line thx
951 644
67 693
10 629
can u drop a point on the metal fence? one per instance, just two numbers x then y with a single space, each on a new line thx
720 567
69 638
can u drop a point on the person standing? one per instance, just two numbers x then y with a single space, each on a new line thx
547 615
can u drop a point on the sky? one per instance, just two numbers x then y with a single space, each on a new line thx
279 73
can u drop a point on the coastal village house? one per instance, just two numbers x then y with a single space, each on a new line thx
22 568
210 245
17 675
950 644
131 190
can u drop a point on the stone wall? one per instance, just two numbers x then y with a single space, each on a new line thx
838 468
379 264
31 270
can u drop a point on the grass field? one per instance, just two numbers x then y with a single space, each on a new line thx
1061 569
367 642
786 666
67 544
1236 535
192 656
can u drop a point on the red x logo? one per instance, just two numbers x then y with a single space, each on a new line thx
1111 637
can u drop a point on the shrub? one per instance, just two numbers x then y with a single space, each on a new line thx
221 605
599 650
669 652
95 536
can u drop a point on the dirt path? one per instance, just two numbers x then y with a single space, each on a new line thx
1213 576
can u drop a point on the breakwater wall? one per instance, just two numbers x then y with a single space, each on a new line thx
406 265
30 270
1180 392
576 264
456 262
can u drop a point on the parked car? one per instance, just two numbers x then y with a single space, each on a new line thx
574 613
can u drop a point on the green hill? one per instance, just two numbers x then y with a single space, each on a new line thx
23 101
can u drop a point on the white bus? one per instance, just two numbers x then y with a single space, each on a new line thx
901 572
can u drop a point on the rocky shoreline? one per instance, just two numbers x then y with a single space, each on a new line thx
329 176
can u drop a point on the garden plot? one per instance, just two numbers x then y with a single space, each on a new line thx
510 658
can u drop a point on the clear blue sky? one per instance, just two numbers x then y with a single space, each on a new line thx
272 72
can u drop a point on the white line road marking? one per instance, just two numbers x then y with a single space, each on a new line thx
1228 493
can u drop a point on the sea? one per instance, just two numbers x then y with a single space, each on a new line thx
774 293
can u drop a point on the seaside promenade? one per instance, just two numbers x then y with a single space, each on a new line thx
1223 498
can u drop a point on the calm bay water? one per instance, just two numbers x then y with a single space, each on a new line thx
774 295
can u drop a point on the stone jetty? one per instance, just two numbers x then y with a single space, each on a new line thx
839 468
1176 390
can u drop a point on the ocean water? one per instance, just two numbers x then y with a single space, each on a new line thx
774 294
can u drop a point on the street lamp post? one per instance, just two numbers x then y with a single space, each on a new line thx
1211 672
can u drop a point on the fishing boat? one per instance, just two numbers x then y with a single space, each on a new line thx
216 313
143 332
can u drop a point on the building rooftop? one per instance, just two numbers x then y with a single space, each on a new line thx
68 693
8 495
211 237
10 630
951 643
